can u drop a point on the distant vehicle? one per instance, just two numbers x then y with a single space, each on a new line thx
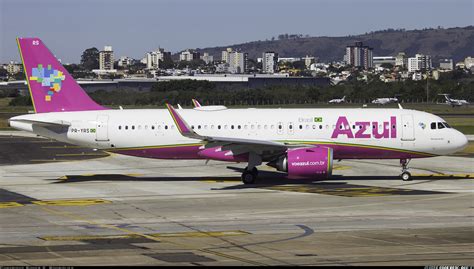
384 101
454 102
338 101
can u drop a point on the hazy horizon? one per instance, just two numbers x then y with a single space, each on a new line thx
133 28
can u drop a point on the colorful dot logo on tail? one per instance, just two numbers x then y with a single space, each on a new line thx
48 77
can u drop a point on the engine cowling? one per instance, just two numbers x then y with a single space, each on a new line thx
315 162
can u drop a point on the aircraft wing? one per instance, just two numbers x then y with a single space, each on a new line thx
265 148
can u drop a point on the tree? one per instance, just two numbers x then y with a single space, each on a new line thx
387 65
166 63
90 59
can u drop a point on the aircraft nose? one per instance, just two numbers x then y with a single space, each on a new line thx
461 141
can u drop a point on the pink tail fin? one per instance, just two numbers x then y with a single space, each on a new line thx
52 88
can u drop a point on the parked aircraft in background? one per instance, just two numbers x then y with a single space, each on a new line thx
384 101
338 101
454 102
198 106
301 142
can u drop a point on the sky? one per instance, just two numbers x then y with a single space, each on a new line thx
133 27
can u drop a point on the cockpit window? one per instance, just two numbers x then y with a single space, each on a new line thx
440 125
433 125
446 125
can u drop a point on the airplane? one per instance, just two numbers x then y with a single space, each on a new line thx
454 102
384 101
338 101
198 106
300 142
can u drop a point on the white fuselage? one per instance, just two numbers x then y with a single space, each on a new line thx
401 130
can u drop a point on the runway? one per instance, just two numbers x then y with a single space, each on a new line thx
95 208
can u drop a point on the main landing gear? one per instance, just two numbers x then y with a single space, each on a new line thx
405 175
250 173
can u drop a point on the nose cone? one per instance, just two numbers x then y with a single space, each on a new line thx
461 141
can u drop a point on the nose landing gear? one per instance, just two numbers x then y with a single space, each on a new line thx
405 175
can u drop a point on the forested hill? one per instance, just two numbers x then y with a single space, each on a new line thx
456 43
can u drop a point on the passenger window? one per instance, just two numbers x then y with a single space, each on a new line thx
232 127
192 127
212 126
301 126
239 127
440 125
120 127
166 127
199 126
133 127
279 127
353 126
126 127
290 127
218 127
433 125
153 127
320 127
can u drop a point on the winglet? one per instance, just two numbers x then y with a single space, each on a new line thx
183 127
196 103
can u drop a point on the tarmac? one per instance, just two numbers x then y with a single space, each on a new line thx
66 205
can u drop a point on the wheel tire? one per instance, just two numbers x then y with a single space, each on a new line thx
248 177
406 176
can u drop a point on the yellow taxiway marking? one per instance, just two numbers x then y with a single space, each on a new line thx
62 147
84 202
341 167
98 175
465 175
51 160
10 204
88 237
221 180
154 238
347 192
157 235
82 154
202 234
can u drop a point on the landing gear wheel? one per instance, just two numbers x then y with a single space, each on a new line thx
249 176
406 176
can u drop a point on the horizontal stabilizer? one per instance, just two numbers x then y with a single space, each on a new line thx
44 123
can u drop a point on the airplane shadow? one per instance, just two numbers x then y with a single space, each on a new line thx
265 179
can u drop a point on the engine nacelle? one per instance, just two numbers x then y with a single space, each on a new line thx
306 162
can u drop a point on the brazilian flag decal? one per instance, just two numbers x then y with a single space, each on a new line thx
318 119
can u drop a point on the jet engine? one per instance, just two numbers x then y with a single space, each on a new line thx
315 162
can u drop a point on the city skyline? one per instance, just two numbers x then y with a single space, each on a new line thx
134 28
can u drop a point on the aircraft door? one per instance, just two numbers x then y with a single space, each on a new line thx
408 130
102 130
